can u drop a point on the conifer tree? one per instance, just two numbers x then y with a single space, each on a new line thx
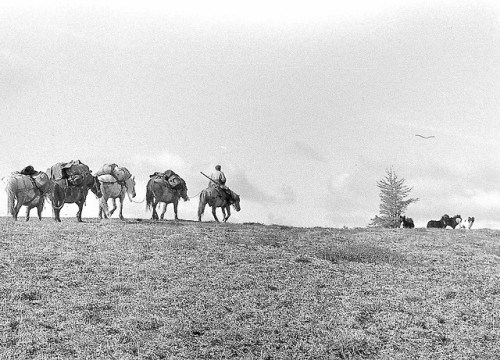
393 200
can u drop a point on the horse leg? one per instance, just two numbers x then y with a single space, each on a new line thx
103 204
228 213
162 215
105 209
56 213
28 210
175 209
19 204
113 201
154 216
39 209
80 209
101 209
121 206
214 214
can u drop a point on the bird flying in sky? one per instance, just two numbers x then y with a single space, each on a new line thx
425 137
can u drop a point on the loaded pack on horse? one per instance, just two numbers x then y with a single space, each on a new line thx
71 183
217 195
166 187
115 182
27 188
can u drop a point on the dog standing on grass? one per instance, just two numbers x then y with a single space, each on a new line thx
406 223
467 224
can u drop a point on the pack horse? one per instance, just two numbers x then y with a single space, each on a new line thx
166 187
26 188
116 182
71 183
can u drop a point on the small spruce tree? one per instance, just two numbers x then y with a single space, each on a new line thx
393 200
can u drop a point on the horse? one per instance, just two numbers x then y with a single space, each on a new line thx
454 221
160 191
22 191
113 190
63 194
215 199
439 224
467 224
406 223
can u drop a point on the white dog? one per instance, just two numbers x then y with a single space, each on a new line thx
467 224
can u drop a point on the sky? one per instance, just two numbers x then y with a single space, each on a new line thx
304 104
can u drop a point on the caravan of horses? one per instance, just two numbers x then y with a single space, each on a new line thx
67 183
70 183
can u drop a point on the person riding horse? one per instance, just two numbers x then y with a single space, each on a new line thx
218 181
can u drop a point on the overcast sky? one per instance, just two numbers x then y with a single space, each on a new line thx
304 104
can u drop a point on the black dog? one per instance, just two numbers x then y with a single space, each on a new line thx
407 223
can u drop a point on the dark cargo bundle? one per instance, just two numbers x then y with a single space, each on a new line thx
171 179
74 172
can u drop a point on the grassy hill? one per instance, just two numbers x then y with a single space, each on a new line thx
187 290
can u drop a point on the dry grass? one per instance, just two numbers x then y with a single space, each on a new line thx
166 290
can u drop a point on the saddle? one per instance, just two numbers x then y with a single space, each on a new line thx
224 192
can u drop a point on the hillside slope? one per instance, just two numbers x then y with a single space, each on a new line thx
187 290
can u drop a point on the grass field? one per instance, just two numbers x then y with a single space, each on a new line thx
187 290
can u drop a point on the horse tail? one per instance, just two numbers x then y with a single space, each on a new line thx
46 194
203 203
58 194
41 203
149 195
11 189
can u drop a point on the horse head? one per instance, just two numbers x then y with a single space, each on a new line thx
130 185
95 186
235 201
184 191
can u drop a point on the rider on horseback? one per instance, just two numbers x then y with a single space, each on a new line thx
218 181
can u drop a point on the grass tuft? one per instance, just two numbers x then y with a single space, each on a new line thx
356 347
